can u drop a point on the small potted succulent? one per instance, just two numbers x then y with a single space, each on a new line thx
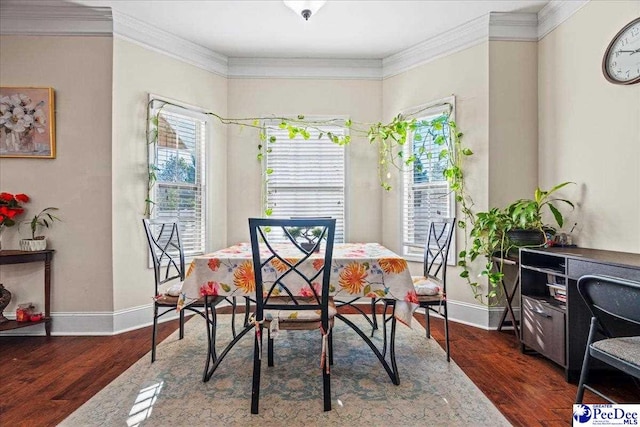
309 237
44 219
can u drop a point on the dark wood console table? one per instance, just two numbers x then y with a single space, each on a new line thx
20 257
557 326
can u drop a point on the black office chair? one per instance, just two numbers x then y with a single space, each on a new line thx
277 266
167 254
615 306
431 288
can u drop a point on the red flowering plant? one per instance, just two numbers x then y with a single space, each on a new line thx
10 208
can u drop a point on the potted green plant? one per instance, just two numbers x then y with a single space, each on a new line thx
501 231
44 219
309 237
526 226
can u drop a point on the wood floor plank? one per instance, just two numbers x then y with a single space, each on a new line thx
46 379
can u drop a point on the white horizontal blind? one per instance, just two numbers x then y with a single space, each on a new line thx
426 192
179 192
308 176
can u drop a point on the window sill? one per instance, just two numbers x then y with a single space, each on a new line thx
413 258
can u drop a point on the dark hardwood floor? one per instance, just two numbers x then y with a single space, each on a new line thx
42 380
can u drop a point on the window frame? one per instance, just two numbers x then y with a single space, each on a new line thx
321 124
427 111
197 114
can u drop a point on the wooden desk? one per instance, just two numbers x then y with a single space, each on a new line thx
558 328
20 257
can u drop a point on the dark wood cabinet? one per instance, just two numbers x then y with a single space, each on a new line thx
554 318
20 257
544 328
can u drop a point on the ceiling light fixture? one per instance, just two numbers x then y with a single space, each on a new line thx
304 8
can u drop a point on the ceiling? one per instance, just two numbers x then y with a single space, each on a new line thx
340 29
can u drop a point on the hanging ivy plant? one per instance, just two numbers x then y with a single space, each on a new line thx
390 139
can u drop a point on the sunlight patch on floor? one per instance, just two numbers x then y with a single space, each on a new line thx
143 405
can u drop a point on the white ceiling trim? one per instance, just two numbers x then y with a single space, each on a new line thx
454 40
493 26
555 13
18 18
161 41
73 20
513 26
367 69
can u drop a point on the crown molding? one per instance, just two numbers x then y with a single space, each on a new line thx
493 26
452 41
555 13
51 19
68 19
309 68
161 41
522 27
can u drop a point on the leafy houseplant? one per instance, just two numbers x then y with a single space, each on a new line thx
43 219
500 231
388 138
309 235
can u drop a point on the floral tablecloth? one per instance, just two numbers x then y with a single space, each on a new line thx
358 270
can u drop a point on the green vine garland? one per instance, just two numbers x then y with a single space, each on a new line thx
390 139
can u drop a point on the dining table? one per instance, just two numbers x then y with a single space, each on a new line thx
359 272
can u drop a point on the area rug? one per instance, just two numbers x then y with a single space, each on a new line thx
170 392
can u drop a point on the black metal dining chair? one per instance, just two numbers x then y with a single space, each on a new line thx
167 254
431 287
280 265
615 308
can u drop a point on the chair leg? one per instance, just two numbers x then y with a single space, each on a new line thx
181 324
255 387
153 333
585 363
269 348
326 387
374 317
326 376
210 321
331 347
427 320
446 332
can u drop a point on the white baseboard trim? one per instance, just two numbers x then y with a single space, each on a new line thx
478 316
95 323
118 322
69 323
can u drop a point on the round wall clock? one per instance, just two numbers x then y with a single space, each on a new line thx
621 62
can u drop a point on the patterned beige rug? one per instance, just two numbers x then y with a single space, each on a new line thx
170 392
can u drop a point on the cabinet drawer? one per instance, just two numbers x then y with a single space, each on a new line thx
543 329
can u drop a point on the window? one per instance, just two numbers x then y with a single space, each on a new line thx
308 177
426 192
178 160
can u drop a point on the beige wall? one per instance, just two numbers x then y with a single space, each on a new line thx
542 111
136 73
589 129
513 121
464 74
78 181
359 100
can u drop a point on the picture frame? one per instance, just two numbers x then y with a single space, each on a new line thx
27 122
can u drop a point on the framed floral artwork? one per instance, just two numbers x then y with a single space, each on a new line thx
27 122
